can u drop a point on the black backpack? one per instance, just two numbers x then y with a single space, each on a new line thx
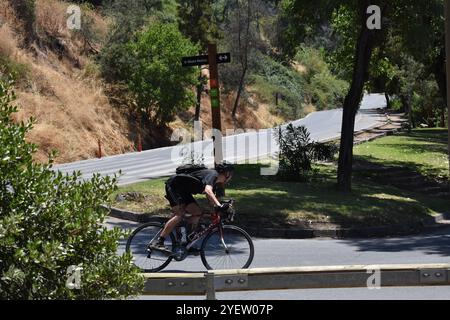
189 168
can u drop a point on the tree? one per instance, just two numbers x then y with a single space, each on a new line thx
197 23
314 13
160 85
240 25
50 223
127 17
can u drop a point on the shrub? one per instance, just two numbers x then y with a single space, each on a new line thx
322 88
297 152
10 69
271 77
50 222
127 17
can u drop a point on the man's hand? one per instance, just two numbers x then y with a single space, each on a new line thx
223 207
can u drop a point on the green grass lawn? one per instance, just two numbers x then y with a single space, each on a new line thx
422 150
265 201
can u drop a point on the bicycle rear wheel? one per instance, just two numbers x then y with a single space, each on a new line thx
138 244
236 251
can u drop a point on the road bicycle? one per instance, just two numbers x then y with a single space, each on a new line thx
223 246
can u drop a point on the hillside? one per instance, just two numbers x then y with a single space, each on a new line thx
57 83
53 85
76 83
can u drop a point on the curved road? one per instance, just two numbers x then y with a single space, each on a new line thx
251 145
429 247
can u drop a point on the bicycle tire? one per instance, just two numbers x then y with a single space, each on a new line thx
143 246
216 233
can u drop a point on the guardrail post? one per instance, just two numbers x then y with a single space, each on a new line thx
210 289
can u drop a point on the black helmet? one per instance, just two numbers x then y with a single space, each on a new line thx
224 167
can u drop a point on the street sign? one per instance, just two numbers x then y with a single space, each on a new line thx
224 57
194 61
203 59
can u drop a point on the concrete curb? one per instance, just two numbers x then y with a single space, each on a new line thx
429 224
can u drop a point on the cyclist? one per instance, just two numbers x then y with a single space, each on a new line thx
179 191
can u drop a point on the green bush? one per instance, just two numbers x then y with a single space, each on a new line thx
160 85
12 70
271 77
322 88
128 17
50 222
297 152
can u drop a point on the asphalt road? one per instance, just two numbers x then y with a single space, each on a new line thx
251 145
431 247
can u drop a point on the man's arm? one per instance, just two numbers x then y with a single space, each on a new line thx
211 196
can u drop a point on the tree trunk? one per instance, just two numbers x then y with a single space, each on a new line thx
238 95
442 120
244 61
199 98
407 109
440 76
352 100
388 101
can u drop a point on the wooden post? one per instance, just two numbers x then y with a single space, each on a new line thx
215 102
99 148
139 143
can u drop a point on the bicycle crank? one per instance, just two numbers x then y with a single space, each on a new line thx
179 253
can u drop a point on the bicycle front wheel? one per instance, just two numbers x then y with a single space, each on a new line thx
138 244
227 247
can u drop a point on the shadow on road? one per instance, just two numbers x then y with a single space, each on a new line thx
122 224
432 243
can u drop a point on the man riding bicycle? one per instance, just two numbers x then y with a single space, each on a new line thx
179 191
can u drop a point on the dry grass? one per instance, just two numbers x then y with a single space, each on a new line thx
71 116
299 67
251 114
71 110
51 17
309 108
8 43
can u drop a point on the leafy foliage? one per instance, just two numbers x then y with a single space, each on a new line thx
158 81
50 221
272 77
127 18
196 21
322 88
297 152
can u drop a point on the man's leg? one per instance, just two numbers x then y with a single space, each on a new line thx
196 213
178 212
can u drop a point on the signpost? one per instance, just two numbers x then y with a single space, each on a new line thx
204 59
212 59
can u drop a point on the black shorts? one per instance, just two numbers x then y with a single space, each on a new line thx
177 195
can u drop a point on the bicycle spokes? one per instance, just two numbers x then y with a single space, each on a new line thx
230 248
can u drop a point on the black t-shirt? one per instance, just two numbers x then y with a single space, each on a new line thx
196 181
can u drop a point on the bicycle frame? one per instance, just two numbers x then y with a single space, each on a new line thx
215 222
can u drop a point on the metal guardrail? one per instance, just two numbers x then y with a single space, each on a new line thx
208 283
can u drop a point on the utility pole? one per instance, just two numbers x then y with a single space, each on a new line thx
447 53
215 102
